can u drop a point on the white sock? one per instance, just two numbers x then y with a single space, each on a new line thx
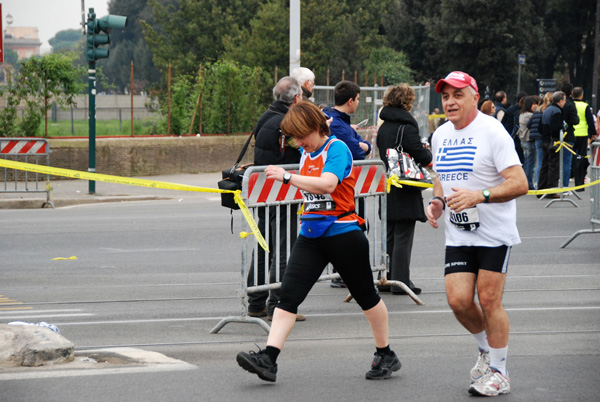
481 338
498 359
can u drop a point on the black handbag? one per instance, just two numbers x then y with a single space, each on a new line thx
232 179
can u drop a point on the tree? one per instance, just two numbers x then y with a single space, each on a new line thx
265 42
129 45
571 31
46 78
486 41
66 41
392 64
191 32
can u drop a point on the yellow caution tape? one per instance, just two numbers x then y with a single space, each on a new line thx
566 145
75 174
64 258
394 180
557 190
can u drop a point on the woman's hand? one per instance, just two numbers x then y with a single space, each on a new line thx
274 172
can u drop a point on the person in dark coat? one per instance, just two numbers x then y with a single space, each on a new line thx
272 147
404 205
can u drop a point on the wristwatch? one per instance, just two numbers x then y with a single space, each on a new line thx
486 195
287 176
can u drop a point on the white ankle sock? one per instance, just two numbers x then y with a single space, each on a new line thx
498 359
481 338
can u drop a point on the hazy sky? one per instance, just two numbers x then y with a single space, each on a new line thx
50 16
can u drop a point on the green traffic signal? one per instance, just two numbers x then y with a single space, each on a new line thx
107 22
95 38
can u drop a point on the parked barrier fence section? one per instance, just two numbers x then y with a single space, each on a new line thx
594 195
258 191
36 151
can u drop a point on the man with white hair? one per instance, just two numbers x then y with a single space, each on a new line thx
479 175
306 78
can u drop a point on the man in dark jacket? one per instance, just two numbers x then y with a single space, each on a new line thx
272 147
511 124
571 119
500 101
552 128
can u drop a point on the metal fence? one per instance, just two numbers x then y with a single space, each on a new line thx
27 150
594 195
371 100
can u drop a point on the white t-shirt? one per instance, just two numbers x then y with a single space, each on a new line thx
472 158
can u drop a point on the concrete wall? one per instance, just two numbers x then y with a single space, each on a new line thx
151 156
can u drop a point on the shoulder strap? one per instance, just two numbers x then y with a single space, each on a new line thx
244 149
398 145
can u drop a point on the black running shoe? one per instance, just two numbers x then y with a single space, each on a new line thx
258 363
383 366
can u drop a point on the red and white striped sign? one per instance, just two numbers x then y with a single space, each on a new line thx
370 180
23 147
595 155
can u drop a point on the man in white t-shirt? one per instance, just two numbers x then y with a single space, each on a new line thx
479 175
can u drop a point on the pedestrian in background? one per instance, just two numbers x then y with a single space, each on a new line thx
306 79
404 205
552 130
535 132
530 104
571 119
584 133
488 108
273 147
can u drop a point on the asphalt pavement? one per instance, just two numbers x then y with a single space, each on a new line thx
158 275
76 192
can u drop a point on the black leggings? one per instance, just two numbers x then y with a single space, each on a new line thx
349 254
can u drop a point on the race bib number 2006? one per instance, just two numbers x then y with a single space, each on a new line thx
467 219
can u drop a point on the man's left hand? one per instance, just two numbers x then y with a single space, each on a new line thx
462 199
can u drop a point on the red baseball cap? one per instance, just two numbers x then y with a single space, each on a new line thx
457 79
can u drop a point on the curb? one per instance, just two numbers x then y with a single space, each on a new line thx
67 202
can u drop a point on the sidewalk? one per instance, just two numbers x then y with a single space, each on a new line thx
75 192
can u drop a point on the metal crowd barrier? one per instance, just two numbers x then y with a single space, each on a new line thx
258 191
594 195
26 150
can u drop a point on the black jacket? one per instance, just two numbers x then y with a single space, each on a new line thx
535 126
570 117
268 136
404 203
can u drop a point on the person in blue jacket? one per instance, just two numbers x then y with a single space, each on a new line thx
346 96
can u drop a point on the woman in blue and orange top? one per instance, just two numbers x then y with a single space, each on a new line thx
329 232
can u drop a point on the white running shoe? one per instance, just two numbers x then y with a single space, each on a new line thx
491 384
481 367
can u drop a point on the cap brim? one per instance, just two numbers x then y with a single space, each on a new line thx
453 83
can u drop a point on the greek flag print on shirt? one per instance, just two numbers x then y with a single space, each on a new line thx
457 157
325 209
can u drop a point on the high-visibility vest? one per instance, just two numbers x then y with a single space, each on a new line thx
581 129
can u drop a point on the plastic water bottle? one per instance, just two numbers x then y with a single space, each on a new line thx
44 324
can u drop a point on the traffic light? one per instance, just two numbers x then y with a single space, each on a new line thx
95 37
